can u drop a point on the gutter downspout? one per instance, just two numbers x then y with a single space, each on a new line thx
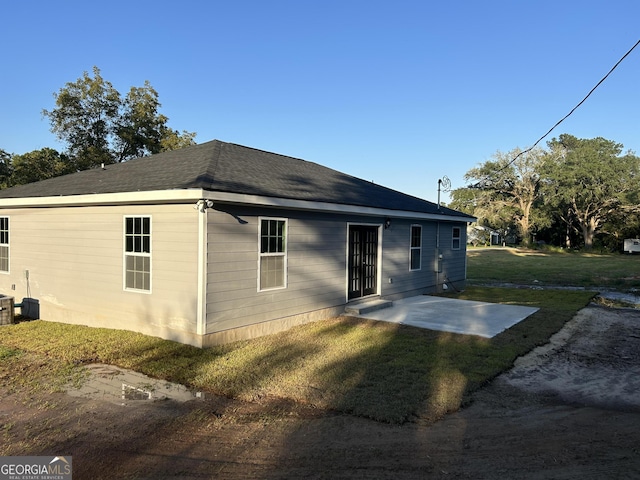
437 264
201 314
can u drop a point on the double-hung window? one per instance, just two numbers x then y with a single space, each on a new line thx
4 244
455 239
137 253
416 248
273 254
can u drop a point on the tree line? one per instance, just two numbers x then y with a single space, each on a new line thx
576 193
98 126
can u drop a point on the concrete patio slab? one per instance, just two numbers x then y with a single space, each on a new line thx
451 315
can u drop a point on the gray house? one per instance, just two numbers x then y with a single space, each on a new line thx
219 242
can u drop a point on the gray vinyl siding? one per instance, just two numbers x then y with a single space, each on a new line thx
75 256
316 264
454 261
396 258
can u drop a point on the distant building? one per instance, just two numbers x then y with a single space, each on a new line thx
480 235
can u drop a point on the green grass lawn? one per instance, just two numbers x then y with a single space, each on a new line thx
377 370
525 267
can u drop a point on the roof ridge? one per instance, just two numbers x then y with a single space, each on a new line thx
272 153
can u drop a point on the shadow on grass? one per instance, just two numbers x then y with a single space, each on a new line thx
381 371
387 372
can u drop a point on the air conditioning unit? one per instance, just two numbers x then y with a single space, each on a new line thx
6 310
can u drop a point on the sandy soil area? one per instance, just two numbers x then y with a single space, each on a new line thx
568 410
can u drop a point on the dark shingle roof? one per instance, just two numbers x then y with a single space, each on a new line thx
226 167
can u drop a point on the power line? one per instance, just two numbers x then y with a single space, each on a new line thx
568 114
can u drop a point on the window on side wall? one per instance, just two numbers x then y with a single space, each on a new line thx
415 262
4 244
273 254
137 253
455 242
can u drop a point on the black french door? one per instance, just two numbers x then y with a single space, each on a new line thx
363 260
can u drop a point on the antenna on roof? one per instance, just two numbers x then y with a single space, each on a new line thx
445 184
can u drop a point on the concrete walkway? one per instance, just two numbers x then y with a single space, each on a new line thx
451 315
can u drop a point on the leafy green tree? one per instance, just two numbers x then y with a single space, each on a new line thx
141 130
174 140
507 190
40 165
5 168
85 119
99 126
465 200
588 182
472 201
623 223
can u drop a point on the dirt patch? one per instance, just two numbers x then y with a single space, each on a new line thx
567 410
593 361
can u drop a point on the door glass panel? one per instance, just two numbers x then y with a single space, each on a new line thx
363 256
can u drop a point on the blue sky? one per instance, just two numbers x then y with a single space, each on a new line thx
398 92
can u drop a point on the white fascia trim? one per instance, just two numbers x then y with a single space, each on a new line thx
195 194
241 199
128 198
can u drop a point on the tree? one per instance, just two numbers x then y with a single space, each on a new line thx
141 130
507 189
173 140
5 168
85 119
465 200
623 223
587 181
40 165
99 126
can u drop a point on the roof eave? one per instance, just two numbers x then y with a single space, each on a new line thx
292 204
195 194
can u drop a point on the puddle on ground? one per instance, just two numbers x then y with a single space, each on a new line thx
629 298
125 387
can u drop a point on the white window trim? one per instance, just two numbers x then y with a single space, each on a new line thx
453 238
284 254
411 249
8 245
125 254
